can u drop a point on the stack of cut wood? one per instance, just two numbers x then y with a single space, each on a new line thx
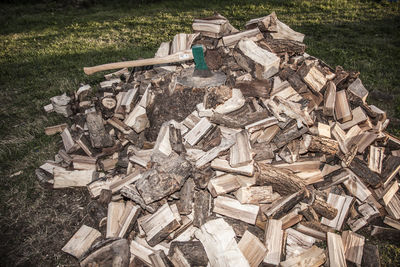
282 153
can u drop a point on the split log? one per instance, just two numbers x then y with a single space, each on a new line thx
324 209
233 39
55 129
311 232
111 252
329 99
290 133
164 179
312 77
141 252
159 225
238 122
392 222
255 88
240 152
342 204
358 116
79 178
159 259
342 108
281 206
223 184
256 195
137 119
69 143
311 257
61 105
353 246
321 144
391 166
375 158
370 256
232 208
192 251
336 250
389 192
282 181
198 132
297 243
290 219
202 207
366 175
357 188
273 242
114 214
266 64
357 92
252 248
98 135
223 165
186 195
219 242
282 46
81 241
383 233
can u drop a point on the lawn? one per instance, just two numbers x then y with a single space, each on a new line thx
43 48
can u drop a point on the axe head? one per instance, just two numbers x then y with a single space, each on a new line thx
201 68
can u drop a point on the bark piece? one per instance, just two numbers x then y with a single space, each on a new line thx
219 242
159 225
81 241
321 144
266 64
252 248
336 250
255 88
273 242
98 135
324 209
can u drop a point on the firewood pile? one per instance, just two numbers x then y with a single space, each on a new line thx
281 162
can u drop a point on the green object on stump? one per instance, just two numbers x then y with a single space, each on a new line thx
201 69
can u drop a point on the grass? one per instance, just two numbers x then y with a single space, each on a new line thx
43 48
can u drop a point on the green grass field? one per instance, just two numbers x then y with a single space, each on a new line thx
43 48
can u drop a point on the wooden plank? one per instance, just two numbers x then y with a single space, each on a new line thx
78 178
159 225
312 257
81 241
223 184
232 208
336 250
353 246
273 242
240 152
342 108
256 195
218 239
252 248
342 204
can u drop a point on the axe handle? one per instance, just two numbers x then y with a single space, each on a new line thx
177 57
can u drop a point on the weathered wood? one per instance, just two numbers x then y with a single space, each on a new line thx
366 175
114 215
202 207
311 231
391 166
255 88
240 152
256 195
324 209
164 179
61 105
336 250
238 122
110 252
281 206
312 257
252 248
159 225
219 242
384 233
232 208
389 192
290 133
198 132
392 222
98 136
321 144
266 64
375 158
273 242
353 246
81 241
186 195
223 184
297 242
342 108
282 181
